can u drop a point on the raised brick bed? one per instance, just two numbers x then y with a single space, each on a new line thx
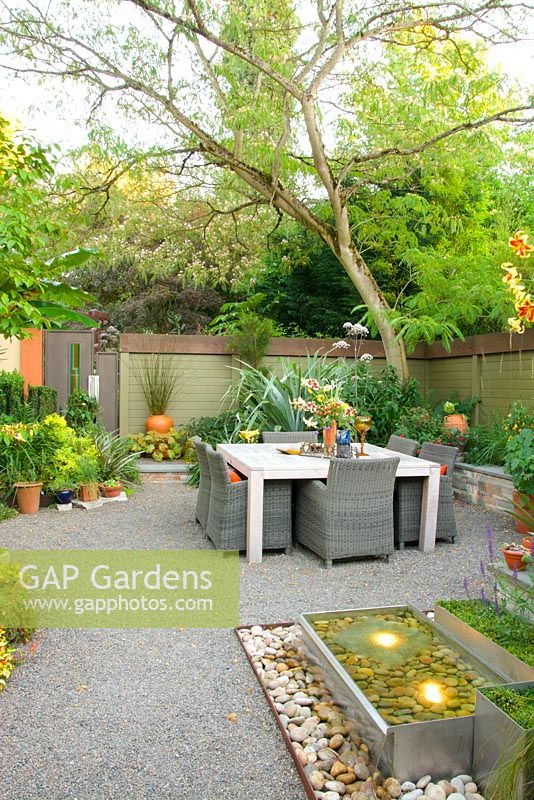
483 486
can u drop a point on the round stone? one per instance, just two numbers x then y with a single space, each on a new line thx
392 787
435 792
335 786
336 741
470 788
458 785
413 795
408 786
424 781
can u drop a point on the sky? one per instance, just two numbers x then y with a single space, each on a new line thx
56 113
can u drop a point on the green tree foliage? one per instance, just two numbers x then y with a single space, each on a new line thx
32 293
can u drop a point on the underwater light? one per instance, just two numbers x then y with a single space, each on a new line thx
385 639
432 692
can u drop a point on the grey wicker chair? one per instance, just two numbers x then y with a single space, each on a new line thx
409 496
400 444
350 515
204 489
289 437
227 518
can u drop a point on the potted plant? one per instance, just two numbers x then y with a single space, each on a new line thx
519 463
325 409
111 488
62 492
516 556
158 380
453 419
88 474
27 490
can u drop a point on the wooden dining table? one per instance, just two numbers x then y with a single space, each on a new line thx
263 462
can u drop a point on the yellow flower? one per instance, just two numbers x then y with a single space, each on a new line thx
516 325
518 243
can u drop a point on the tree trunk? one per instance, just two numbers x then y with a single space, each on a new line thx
358 272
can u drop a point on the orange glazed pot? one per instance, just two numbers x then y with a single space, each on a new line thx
456 421
329 434
514 559
160 423
520 526
28 497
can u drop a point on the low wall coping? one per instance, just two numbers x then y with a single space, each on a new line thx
485 469
162 467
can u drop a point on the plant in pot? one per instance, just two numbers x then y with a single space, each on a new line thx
158 378
519 464
453 419
516 556
88 477
27 489
62 491
111 487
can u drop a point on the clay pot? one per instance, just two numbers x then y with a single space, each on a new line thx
514 560
456 421
88 492
111 491
28 497
160 423
329 435
520 527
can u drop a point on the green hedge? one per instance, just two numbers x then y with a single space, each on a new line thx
42 401
11 395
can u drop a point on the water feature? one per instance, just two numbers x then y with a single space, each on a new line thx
409 686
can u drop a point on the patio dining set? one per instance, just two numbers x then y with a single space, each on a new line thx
256 497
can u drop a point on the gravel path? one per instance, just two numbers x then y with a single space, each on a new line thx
142 714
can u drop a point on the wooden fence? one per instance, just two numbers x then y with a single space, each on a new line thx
497 368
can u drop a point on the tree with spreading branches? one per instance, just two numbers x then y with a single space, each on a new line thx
267 94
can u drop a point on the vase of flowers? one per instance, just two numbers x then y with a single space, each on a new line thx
324 408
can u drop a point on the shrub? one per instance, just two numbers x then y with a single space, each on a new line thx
519 460
81 411
12 396
7 659
169 446
42 401
215 430
7 513
420 424
116 459
486 443
250 337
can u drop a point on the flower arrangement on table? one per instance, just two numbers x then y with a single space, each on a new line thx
325 409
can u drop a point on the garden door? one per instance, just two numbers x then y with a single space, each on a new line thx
68 361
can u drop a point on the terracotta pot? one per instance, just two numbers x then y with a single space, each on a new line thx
111 491
160 423
456 421
514 560
520 527
28 497
329 435
88 492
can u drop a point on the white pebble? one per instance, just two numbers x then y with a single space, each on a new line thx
470 788
458 785
424 781
256 630
465 778
408 786
414 795
335 786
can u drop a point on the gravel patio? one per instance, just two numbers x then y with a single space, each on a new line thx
142 714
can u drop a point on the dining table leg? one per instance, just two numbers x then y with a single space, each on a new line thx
429 511
255 517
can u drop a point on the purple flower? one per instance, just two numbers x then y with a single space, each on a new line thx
482 569
483 595
515 571
466 588
496 600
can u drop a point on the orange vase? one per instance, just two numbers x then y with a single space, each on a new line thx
160 423
520 526
456 421
329 435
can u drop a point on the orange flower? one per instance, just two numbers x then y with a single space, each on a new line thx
525 310
516 326
518 243
511 272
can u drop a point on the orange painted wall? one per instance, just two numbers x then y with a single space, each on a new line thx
31 358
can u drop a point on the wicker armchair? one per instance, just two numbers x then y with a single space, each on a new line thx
350 515
400 444
409 496
289 437
227 518
204 489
